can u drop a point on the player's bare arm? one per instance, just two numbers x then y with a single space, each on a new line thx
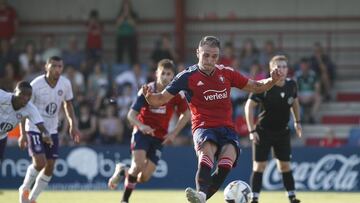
265 84
295 110
183 119
132 117
70 115
156 99
249 116
46 135
22 141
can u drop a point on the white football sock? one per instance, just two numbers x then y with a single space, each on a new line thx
41 183
30 177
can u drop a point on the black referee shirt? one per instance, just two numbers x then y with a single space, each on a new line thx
275 105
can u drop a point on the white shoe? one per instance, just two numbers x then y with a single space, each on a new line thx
24 195
118 176
195 197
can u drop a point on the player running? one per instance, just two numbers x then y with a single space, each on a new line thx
150 131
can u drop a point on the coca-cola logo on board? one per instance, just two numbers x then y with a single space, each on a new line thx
331 172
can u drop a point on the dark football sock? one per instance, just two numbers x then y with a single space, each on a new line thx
256 181
203 174
218 177
289 183
129 185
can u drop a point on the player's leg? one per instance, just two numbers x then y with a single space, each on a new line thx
227 157
147 171
37 152
2 147
204 143
45 175
153 156
260 154
121 171
137 165
282 151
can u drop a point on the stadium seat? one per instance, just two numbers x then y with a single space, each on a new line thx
354 137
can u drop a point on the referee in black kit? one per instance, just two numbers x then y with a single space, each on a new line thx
271 129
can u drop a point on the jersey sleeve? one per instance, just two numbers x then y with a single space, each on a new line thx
33 114
68 91
238 80
180 82
181 103
139 102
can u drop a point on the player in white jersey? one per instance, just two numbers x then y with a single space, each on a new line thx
15 107
51 90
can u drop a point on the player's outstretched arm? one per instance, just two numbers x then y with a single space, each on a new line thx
183 119
249 116
265 84
70 116
156 99
295 110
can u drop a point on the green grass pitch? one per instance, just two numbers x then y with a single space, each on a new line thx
173 196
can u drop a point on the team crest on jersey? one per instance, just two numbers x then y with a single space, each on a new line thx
290 100
19 116
221 78
60 92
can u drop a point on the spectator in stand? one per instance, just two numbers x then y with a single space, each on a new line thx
97 86
50 49
76 79
257 72
163 50
229 55
324 68
269 50
124 100
73 56
126 35
330 140
8 79
249 54
110 126
308 91
134 76
94 36
8 55
29 57
8 22
87 124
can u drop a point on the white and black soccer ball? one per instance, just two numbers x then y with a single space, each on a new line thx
237 192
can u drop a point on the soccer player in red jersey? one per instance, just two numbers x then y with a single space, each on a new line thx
150 131
207 90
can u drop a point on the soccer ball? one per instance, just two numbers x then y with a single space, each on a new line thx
237 192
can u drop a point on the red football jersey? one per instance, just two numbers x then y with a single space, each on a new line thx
158 118
208 95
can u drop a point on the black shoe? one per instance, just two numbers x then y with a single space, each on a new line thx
254 201
294 200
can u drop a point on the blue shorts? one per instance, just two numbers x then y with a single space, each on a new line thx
2 147
219 136
153 146
37 145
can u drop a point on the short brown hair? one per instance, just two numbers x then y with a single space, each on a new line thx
166 64
277 58
211 41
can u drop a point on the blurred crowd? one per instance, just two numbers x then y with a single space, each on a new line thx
105 90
